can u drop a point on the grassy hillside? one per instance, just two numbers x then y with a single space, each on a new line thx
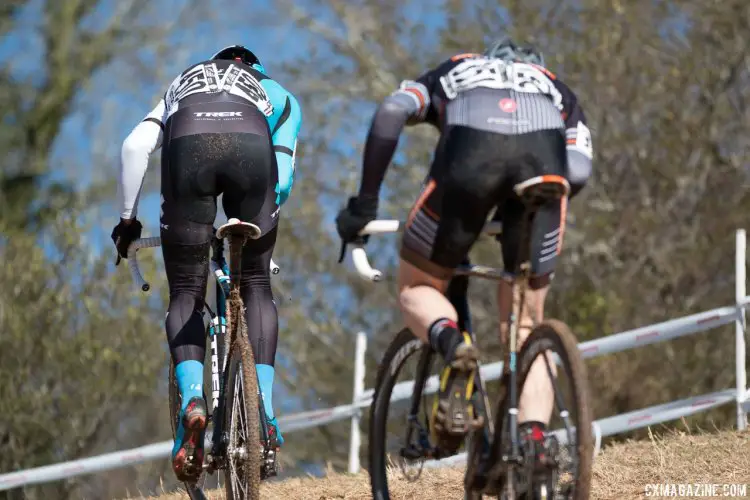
621 471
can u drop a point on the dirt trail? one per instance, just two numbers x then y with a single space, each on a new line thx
621 471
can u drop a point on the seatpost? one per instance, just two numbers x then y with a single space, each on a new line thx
236 243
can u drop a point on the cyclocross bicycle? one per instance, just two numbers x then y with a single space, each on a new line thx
498 464
238 443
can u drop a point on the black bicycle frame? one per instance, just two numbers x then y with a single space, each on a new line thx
457 294
217 334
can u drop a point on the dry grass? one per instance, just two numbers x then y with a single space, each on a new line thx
621 471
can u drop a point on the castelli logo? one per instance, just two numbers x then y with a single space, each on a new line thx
507 105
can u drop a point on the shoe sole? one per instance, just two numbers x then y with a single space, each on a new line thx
454 412
188 461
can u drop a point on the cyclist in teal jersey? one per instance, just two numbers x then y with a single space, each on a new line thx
224 127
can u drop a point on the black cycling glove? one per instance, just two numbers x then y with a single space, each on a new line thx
351 220
123 235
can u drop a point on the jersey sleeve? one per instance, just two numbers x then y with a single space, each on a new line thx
409 104
578 141
412 103
415 99
142 141
405 105
432 82
284 135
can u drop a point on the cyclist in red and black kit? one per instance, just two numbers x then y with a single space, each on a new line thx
503 118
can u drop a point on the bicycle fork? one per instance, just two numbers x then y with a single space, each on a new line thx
418 447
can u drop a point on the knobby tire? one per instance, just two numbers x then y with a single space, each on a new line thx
403 346
242 360
555 335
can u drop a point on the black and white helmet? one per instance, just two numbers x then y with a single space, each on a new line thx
507 50
239 53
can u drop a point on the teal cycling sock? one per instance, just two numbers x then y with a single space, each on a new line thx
189 380
265 381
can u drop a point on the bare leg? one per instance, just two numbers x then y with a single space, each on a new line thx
432 318
537 396
421 299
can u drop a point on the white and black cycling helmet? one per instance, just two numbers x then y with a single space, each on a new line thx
508 50
237 53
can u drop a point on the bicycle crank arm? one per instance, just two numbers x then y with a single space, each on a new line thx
195 492
415 453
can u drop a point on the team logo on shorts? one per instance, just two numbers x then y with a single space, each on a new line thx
507 105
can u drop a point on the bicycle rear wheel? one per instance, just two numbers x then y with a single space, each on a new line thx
572 441
241 412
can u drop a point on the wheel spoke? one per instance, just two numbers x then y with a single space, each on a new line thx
398 439
236 455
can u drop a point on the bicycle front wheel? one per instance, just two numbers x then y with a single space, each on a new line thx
571 442
399 433
241 416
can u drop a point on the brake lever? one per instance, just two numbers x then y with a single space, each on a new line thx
359 240
343 251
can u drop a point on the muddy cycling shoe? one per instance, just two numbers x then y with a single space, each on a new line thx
453 413
187 454
275 439
541 457
270 467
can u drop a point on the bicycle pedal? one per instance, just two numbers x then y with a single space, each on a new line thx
270 466
192 473
268 472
